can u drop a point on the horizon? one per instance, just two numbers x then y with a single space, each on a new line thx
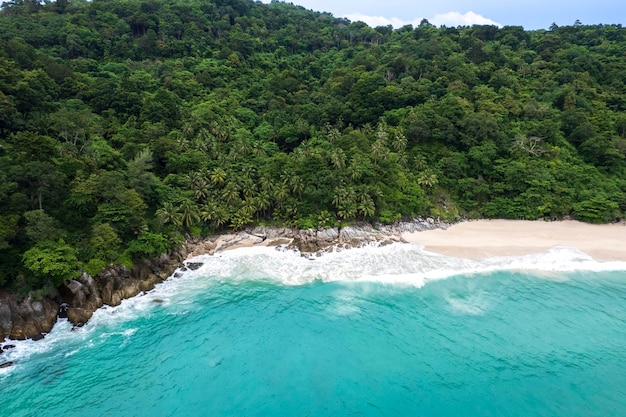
531 14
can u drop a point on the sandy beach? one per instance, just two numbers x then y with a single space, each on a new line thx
485 238
477 239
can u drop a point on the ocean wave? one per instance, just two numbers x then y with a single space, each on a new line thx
395 264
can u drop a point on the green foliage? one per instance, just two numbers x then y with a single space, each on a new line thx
53 262
40 226
126 125
8 229
95 266
105 242
148 245
388 216
596 210
139 176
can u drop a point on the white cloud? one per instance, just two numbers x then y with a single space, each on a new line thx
374 21
450 19
458 19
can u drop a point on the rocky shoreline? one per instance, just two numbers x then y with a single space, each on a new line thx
78 299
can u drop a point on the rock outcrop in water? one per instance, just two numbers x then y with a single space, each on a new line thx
79 298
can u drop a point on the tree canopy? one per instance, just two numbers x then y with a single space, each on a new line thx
127 125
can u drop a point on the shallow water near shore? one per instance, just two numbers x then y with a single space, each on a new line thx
391 331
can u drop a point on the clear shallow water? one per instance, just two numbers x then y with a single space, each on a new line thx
390 331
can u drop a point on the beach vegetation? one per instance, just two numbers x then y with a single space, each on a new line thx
127 126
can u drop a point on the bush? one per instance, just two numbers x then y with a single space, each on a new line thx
51 261
95 266
596 210
148 245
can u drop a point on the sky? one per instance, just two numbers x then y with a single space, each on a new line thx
532 14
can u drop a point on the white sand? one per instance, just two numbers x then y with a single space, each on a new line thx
486 238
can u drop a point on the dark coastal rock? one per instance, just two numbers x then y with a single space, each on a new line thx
6 347
324 240
6 364
6 315
418 224
117 283
361 234
77 326
305 242
29 318
38 336
195 247
194 266
62 314
81 297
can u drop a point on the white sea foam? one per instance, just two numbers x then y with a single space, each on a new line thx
58 337
396 264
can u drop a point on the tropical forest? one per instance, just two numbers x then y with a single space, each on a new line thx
128 126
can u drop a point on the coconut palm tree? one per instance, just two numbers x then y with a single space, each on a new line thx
248 171
230 193
207 211
398 141
332 134
366 206
345 201
249 206
296 184
355 169
202 191
381 132
218 176
248 188
338 158
267 184
420 162
190 215
281 193
199 184
402 158
169 213
263 202
221 216
240 219
427 178
303 151
325 218
379 150
347 211
258 150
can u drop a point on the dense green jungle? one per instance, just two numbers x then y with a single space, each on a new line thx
127 126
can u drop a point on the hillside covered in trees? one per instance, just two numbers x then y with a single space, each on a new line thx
126 125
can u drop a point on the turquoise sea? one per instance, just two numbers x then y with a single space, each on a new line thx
389 331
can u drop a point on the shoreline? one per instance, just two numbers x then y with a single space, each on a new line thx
79 298
312 241
479 239
474 239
